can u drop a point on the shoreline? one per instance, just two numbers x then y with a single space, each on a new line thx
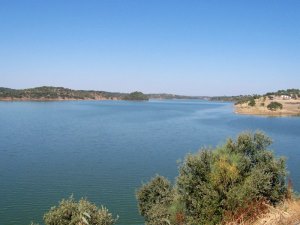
286 106
264 112
9 99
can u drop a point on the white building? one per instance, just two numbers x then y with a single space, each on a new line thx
286 97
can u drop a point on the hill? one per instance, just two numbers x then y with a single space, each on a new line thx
49 93
172 96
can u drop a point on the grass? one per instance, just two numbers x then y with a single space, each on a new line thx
286 213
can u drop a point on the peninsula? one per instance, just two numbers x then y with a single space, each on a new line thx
280 103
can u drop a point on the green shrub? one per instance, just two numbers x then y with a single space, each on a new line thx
200 199
217 182
70 212
158 214
252 102
274 106
176 210
154 199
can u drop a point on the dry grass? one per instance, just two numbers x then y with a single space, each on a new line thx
247 214
290 107
287 213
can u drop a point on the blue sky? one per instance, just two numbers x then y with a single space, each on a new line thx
185 47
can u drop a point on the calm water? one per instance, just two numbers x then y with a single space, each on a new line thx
104 150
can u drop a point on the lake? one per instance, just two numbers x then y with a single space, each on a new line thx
104 150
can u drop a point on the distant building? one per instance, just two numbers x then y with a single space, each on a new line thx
286 97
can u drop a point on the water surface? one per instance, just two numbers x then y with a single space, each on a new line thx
103 150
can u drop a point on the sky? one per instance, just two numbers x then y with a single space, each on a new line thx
190 47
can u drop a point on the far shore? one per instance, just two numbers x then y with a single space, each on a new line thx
290 107
9 99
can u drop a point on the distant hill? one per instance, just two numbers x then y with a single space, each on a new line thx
49 93
55 93
238 99
171 96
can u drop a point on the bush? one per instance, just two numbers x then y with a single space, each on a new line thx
274 106
70 212
154 199
200 199
215 183
252 102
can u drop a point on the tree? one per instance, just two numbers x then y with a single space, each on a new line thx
252 102
273 106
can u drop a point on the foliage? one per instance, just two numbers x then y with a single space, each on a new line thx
136 96
288 92
154 198
176 210
70 212
274 106
158 214
215 184
237 99
172 96
252 102
48 93
240 99
230 176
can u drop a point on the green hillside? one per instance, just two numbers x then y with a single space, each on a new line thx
57 93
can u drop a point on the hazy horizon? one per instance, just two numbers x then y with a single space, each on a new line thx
196 48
